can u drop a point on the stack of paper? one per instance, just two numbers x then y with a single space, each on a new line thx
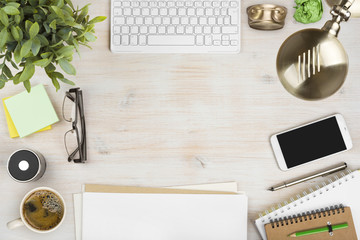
27 113
215 211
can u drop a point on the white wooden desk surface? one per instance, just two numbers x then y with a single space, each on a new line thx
173 119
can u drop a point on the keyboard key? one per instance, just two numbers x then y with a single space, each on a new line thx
193 21
130 20
171 29
233 4
127 12
233 43
148 21
209 12
172 12
233 12
166 20
180 29
125 29
125 40
198 29
225 43
117 40
208 40
207 29
152 29
162 29
134 30
184 21
163 12
157 20
199 40
145 11
136 11
189 29
171 40
117 29
142 40
117 11
182 12
191 12
139 20
229 30
154 11
133 40
143 29
117 4
119 20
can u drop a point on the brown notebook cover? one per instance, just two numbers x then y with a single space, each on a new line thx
280 230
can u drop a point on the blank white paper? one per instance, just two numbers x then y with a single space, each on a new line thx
164 216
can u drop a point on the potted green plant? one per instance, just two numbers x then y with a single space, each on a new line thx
43 33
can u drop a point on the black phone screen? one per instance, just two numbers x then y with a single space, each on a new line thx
311 142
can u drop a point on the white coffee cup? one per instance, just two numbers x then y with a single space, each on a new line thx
21 221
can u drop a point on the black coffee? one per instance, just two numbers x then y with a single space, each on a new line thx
43 210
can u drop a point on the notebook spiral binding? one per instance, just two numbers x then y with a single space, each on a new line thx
337 180
307 216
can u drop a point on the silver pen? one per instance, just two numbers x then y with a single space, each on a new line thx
315 175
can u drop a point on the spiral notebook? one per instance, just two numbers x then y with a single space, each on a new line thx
281 229
341 190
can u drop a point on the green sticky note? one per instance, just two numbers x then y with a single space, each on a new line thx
308 11
32 111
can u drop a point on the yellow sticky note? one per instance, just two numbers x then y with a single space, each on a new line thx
12 129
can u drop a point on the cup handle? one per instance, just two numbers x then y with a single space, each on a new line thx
15 224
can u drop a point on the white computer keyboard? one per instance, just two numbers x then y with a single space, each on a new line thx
159 26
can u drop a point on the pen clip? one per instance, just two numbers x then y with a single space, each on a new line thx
331 233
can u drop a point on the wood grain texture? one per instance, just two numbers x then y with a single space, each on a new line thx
175 119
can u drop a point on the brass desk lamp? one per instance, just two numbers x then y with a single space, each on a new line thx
312 64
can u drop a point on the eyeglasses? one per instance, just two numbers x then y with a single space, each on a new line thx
75 138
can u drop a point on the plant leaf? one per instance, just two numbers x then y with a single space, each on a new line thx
15 33
35 47
4 18
14 4
7 71
3 37
90 37
28 25
67 66
27 85
2 84
97 19
70 4
53 24
50 68
11 10
58 12
17 54
66 52
28 72
34 30
42 62
67 81
25 49
55 83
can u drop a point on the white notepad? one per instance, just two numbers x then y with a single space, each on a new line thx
222 187
114 216
345 190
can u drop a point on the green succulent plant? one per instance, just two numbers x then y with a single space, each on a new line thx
43 33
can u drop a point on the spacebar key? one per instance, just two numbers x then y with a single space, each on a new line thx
169 40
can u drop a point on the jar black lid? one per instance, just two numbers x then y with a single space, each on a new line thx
28 160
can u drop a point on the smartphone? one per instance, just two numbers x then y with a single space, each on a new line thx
310 142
